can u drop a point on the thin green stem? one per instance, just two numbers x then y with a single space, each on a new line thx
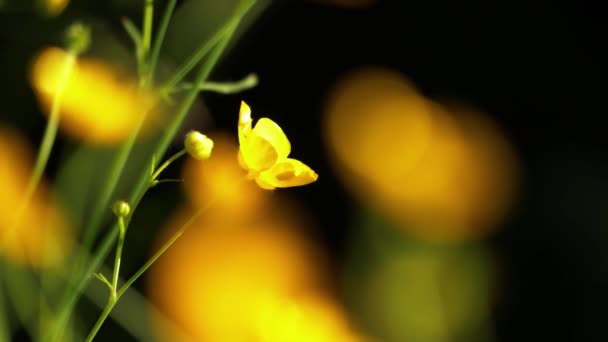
48 139
104 280
94 224
166 164
119 247
160 37
104 314
112 302
115 273
162 250
167 181
118 165
147 26
121 241
226 30
102 251
223 87
5 334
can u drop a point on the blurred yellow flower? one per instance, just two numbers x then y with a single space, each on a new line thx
303 318
443 172
221 178
226 279
98 104
41 236
263 153
54 7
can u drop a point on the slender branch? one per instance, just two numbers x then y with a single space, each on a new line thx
102 251
166 164
160 36
48 139
248 82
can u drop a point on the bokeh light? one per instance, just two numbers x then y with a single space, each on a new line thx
240 280
444 172
100 105
54 7
221 180
39 235
403 289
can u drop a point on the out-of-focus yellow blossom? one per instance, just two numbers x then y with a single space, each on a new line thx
54 7
263 153
422 294
304 318
220 278
220 179
441 172
41 237
98 105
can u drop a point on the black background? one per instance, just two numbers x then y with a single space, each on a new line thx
536 67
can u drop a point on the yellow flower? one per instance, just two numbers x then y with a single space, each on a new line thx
263 153
99 104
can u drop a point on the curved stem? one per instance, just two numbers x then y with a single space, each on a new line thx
5 333
102 251
113 300
111 181
147 26
166 164
160 36
220 37
114 295
49 136
161 251
248 82
121 241
106 311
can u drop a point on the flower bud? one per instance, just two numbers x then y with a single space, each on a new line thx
121 208
78 38
198 145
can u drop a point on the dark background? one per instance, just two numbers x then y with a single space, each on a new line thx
536 67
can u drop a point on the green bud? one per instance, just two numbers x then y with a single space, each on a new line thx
198 145
78 38
121 208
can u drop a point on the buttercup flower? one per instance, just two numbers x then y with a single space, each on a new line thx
263 153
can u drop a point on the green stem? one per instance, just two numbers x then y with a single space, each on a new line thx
121 241
147 26
225 31
113 295
48 139
5 334
166 164
224 87
161 251
168 181
106 311
100 207
112 302
160 36
102 251
69 299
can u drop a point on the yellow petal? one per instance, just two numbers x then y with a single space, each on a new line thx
287 173
258 154
244 121
263 145
262 184
271 132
